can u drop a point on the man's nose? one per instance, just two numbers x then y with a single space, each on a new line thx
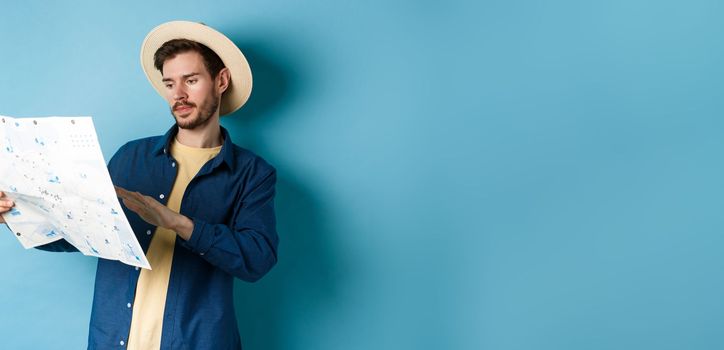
179 93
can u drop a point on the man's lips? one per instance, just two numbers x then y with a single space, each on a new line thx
184 108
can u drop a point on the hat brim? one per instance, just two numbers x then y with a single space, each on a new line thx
238 91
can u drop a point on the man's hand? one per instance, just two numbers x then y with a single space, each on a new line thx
155 213
5 205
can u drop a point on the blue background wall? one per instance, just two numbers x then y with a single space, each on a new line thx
452 174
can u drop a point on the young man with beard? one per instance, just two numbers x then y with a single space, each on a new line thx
201 207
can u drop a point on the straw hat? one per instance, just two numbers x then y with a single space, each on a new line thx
240 88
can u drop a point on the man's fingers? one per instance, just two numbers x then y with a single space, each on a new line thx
144 201
145 206
121 192
128 196
5 201
5 205
132 205
135 201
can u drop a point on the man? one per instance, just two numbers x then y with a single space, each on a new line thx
201 207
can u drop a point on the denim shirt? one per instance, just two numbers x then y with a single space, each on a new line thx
231 203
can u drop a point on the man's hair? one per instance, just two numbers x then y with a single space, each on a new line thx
171 48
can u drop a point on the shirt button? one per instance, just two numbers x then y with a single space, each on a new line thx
173 164
123 343
137 268
129 305
148 232
161 196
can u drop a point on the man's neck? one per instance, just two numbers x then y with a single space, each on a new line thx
204 136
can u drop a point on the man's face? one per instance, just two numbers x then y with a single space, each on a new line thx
190 90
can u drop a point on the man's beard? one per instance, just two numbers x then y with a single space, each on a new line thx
205 111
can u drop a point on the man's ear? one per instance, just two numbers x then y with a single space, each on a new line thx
223 80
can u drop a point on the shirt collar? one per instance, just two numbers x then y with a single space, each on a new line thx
226 154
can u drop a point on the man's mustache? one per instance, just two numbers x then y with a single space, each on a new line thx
183 104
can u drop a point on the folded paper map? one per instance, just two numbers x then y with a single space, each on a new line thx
54 171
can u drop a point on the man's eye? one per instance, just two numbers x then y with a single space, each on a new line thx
168 86
192 81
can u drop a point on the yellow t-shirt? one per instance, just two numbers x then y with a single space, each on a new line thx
148 307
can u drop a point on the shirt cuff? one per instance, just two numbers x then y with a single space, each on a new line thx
202 237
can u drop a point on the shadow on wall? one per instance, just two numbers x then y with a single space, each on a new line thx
303 281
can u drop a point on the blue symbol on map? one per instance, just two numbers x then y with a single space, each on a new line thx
114 212
54 179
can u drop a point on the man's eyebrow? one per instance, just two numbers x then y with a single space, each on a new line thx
185 76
